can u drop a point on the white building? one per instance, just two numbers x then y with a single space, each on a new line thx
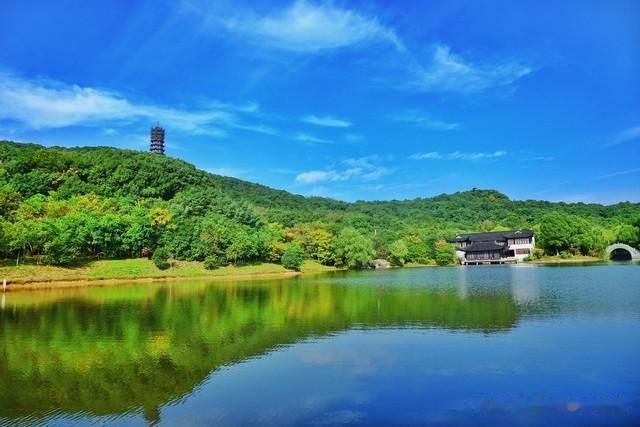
497 247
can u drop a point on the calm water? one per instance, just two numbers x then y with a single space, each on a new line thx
504 345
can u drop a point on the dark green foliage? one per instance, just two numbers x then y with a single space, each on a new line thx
160 258
292 257
59 205
213 262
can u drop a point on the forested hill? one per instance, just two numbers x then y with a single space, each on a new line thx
49 187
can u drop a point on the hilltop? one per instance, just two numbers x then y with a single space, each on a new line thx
67 203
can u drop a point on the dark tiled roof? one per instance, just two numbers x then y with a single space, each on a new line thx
518 234
492 236
482 246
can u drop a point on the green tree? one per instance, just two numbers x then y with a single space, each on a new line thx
398 252
628 234
351 249
555 233
445 253
292 257
160 258
317 244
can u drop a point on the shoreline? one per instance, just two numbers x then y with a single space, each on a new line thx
81 283
573 260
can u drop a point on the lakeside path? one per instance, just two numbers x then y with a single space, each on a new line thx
140 270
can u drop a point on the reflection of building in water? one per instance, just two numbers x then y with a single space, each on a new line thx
524 284
463 284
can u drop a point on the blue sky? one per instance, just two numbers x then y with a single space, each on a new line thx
350 100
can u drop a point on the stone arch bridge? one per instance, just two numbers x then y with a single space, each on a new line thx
619 247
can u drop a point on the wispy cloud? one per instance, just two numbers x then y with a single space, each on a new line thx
360 168
619 173
326 121
305 137
319 26
627 135
227 171
42 104
312 177
304 27
458 155
429 155
424 120
542 158
353 137
448 72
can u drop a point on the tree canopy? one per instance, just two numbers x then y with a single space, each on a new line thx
59 205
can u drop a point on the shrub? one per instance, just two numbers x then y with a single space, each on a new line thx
58 252
565 255
160 258
537 253
292 257
214 262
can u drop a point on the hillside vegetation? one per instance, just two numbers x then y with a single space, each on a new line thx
60 205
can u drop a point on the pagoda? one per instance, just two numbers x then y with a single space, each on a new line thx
157 139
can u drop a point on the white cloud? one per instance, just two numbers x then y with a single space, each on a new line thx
628 135
458 155
305 137
307 27
361 168
42 104
109 132
424 120
317 176
429 155
448 72
326 121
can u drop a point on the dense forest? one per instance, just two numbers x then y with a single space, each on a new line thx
59 205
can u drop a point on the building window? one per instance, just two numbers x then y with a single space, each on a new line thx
522 251
519 241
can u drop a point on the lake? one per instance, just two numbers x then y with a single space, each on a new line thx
499 345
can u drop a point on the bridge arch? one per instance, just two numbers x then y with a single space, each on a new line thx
622 252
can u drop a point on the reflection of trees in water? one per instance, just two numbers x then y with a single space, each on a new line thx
131 350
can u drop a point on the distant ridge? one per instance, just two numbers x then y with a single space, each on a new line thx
109 171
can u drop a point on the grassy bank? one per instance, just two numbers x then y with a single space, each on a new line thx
138 268
577 259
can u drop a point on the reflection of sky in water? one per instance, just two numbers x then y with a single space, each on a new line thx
562 348
364 377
